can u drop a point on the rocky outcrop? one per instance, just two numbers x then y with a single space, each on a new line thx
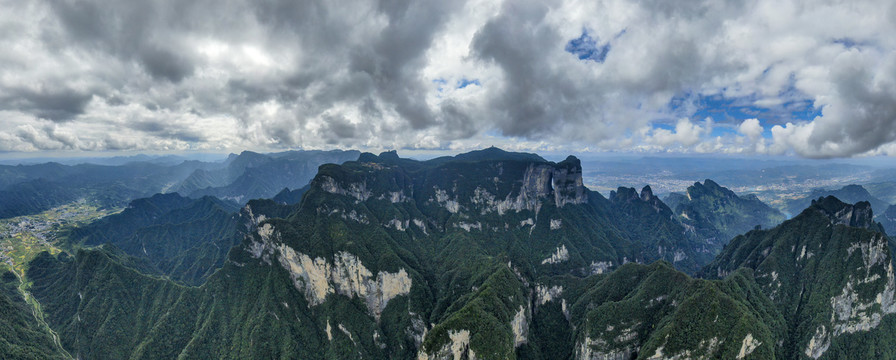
358 191
858 215
598 349
520 327
562 183
560 255
543 294
647 194
567 182
456 349
747 346
600 267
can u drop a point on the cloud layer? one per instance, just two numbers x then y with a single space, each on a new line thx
541 75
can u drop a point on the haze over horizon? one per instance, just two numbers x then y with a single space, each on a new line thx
788 78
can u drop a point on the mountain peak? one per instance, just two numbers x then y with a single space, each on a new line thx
494 153
646 193
857 215
856 188
390 155
572 160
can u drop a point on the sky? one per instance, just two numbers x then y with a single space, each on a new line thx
812 79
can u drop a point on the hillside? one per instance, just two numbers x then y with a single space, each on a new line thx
183 238
829 271
715 214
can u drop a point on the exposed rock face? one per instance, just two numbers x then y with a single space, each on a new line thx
345 275
851 312
600 267
559 256
567 181
543 294
537 182
748 346
520 327
457 349
449 203
707 347
561 182
556 224
858 215
251 220
589 349
358 191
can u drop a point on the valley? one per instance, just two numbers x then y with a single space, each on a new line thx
23 237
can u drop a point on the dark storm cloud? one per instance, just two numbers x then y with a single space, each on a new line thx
57 104
165 64
339 128
511 41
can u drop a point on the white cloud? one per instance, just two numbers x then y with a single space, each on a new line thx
751 129
685 134
164 74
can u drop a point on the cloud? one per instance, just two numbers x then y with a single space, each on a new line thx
859 110
603 75
685 134
751 129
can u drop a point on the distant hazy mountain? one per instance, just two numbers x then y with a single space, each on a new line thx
885 191
290 197
252 175
849 193
30 189
888 220
715 214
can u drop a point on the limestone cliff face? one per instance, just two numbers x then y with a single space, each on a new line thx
319 277
598 349
567 182
560 184
357 190
853 310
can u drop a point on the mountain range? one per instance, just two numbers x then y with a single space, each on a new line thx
487 255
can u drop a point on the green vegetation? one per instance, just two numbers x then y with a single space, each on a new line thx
22 335
183 238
